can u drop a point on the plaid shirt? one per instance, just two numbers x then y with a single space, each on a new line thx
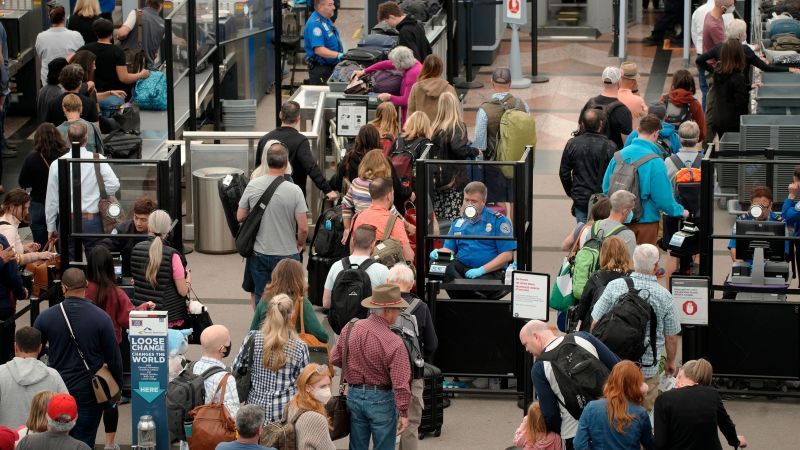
378 357
661 301
211 384
272 390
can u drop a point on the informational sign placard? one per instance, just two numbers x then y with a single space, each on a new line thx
530 295
514 11
351 115
690 295
149 371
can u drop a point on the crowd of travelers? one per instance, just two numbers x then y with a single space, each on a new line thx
627 169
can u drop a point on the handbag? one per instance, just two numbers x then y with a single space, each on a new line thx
561 297
151 93
42 272
123 144
127 117
313 344
110 209
105 387
337 406
198 322
212 423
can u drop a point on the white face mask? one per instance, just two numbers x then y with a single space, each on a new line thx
322 395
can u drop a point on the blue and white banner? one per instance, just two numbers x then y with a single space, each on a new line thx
149 371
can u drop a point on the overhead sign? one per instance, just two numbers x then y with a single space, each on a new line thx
515 11
351 115
690 295
149 371
530 295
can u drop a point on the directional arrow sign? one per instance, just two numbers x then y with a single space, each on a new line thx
149 390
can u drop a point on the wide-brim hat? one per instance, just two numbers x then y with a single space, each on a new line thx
385 296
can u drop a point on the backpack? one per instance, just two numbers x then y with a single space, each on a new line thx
379 40
623 328
786 42
248 230
517 129
387 81
783 25
676 115
184 393
281 434
587 259
687 174
626 177
352 285
407 328
243 373
686 184
388 251
403 157
212 423
417 8
328 234
580 375
607 109
364 56
344 71
231 189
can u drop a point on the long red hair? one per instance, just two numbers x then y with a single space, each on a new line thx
303 399
623 386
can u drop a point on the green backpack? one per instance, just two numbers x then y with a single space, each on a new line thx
587 259
517 129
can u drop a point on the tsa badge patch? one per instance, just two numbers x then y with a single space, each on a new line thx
317 31
505 228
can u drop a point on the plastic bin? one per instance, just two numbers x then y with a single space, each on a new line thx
211 232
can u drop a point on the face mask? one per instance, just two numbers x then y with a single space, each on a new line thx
322 395
470 212
227 350
629 217
756 211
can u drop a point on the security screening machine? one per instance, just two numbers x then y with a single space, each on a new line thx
769 268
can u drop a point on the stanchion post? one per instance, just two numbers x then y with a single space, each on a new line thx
687 12
468 82
623 24
534 76
452 42
191 42
170 80
615 30
215 61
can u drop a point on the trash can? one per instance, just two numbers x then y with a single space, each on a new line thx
211 232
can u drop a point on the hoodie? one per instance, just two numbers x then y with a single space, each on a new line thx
681 97
20 380
668 133
412 35
551 441
425 96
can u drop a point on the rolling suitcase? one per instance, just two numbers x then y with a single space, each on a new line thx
433 399
318 268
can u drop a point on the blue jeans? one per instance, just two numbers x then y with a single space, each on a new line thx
580 216
372 413
703 85
93 225
89 415
261 267
109 104
38 224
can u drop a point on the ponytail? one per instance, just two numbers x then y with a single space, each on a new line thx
155 254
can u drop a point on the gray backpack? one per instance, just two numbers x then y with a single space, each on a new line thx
626 178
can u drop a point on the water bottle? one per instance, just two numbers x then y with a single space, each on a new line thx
146 433
510 273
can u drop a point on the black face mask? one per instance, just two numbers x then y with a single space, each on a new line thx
227 350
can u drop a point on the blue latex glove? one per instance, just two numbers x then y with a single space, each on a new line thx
476 273
434 254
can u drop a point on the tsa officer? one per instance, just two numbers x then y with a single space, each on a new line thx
478 259
321 42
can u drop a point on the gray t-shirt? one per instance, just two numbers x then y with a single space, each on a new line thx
56 42
91 139
605 227
51 441
277 235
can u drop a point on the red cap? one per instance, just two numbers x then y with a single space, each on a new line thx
7 438
62 405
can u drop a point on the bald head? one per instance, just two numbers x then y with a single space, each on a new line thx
216 341
73 282
535 336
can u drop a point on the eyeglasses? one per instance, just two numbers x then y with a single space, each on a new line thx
322 370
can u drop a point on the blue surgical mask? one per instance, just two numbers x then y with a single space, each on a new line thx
629 217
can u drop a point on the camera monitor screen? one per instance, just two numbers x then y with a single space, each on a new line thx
747 233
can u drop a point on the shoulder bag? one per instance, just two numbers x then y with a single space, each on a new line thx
212 422
134 57
244 373
388 251
248 230
337 406
313 344
105 387
110 209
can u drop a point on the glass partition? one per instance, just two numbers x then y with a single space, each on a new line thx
179 38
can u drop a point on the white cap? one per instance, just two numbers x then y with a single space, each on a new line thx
611 75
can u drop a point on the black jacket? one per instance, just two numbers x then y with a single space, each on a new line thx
731 101
449 146
583 165
10 279
591 293
300 157
429 342
412 35
751 59
687 419
124 246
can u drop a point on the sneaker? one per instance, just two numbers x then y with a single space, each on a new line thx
8 153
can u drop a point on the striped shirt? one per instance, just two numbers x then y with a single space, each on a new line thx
357 198
659 298
272 390
376 356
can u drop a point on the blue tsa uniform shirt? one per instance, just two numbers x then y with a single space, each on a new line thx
474 252
320 32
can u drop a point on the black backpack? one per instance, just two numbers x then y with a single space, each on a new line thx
676 115
328 234
580 375
607 109
623 328
184 393
231 189
351 286
248 230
